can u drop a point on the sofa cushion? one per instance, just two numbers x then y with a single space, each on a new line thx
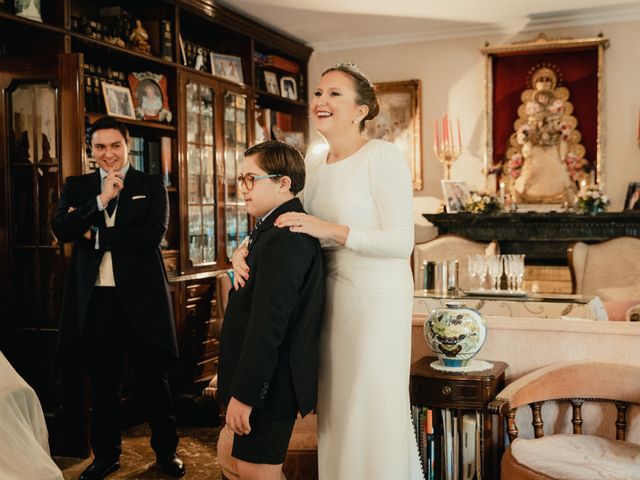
578 457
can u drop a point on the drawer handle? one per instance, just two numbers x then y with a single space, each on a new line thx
446 390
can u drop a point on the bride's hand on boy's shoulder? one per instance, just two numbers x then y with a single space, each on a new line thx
240 267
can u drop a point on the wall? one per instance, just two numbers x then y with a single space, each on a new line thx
453 74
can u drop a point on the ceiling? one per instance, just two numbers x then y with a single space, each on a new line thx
338 24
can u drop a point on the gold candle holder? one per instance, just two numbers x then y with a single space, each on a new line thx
446 154
445 148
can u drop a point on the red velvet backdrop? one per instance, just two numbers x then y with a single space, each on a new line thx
579 70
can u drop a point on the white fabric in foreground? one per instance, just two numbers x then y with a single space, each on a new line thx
24 444
579 457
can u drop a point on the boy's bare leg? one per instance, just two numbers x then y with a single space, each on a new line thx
258 471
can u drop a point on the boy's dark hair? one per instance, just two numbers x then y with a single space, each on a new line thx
280 158
107 123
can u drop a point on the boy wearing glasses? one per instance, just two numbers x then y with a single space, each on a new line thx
268 369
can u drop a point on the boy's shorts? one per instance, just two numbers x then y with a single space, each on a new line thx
266 443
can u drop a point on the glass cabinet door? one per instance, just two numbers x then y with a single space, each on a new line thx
235 143
34 172
201 194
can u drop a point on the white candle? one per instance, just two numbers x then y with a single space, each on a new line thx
502 192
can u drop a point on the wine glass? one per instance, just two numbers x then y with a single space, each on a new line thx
472 268
519 263
494 265
481 269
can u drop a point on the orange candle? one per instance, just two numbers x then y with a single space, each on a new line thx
459 136
436 136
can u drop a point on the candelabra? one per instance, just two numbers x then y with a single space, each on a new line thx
446 154
445 149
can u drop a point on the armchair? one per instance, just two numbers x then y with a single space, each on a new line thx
450 247
610 270
574 456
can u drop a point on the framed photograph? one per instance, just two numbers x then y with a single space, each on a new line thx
456 195
271 82
399 122
543 97
150 96
117 100
288 88
228 67
632 201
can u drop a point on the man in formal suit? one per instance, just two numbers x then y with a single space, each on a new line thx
268 368
116 298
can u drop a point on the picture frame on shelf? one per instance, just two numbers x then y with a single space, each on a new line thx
118 101
456 195
228 67
28 9
632 200
150 96
271 82
288 88
400 122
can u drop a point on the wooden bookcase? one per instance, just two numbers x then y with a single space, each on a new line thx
214 117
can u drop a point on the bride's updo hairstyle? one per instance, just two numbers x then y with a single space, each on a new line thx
365 92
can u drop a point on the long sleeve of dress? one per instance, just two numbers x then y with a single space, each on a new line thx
391 187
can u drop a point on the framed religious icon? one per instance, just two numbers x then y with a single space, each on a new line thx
150 96
543 116
632 201
399 121
117 101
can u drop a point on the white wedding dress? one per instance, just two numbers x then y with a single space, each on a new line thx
364 419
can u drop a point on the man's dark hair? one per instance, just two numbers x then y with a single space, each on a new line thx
108 123
279 158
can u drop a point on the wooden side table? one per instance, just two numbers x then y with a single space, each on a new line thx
462 393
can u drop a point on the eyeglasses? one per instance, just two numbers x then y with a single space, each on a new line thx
249 179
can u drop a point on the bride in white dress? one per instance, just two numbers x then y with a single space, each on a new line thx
360 196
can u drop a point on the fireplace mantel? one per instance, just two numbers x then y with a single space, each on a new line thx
544 237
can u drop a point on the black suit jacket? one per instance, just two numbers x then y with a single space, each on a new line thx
141 282
269 338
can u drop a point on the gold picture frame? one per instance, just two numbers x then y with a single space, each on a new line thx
400 122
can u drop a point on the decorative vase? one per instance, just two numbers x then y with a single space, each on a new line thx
455 333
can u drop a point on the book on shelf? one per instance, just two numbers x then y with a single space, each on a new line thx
166 50
166 157
469 432
283 64
136 153
154 163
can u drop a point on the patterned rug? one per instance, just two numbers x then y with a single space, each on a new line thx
197 449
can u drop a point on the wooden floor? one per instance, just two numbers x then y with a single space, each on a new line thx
197 449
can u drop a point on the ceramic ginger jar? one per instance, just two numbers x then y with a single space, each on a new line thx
455 333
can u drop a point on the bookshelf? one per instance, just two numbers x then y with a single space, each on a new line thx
457 436
196 144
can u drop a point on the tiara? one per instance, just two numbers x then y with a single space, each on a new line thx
353 68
